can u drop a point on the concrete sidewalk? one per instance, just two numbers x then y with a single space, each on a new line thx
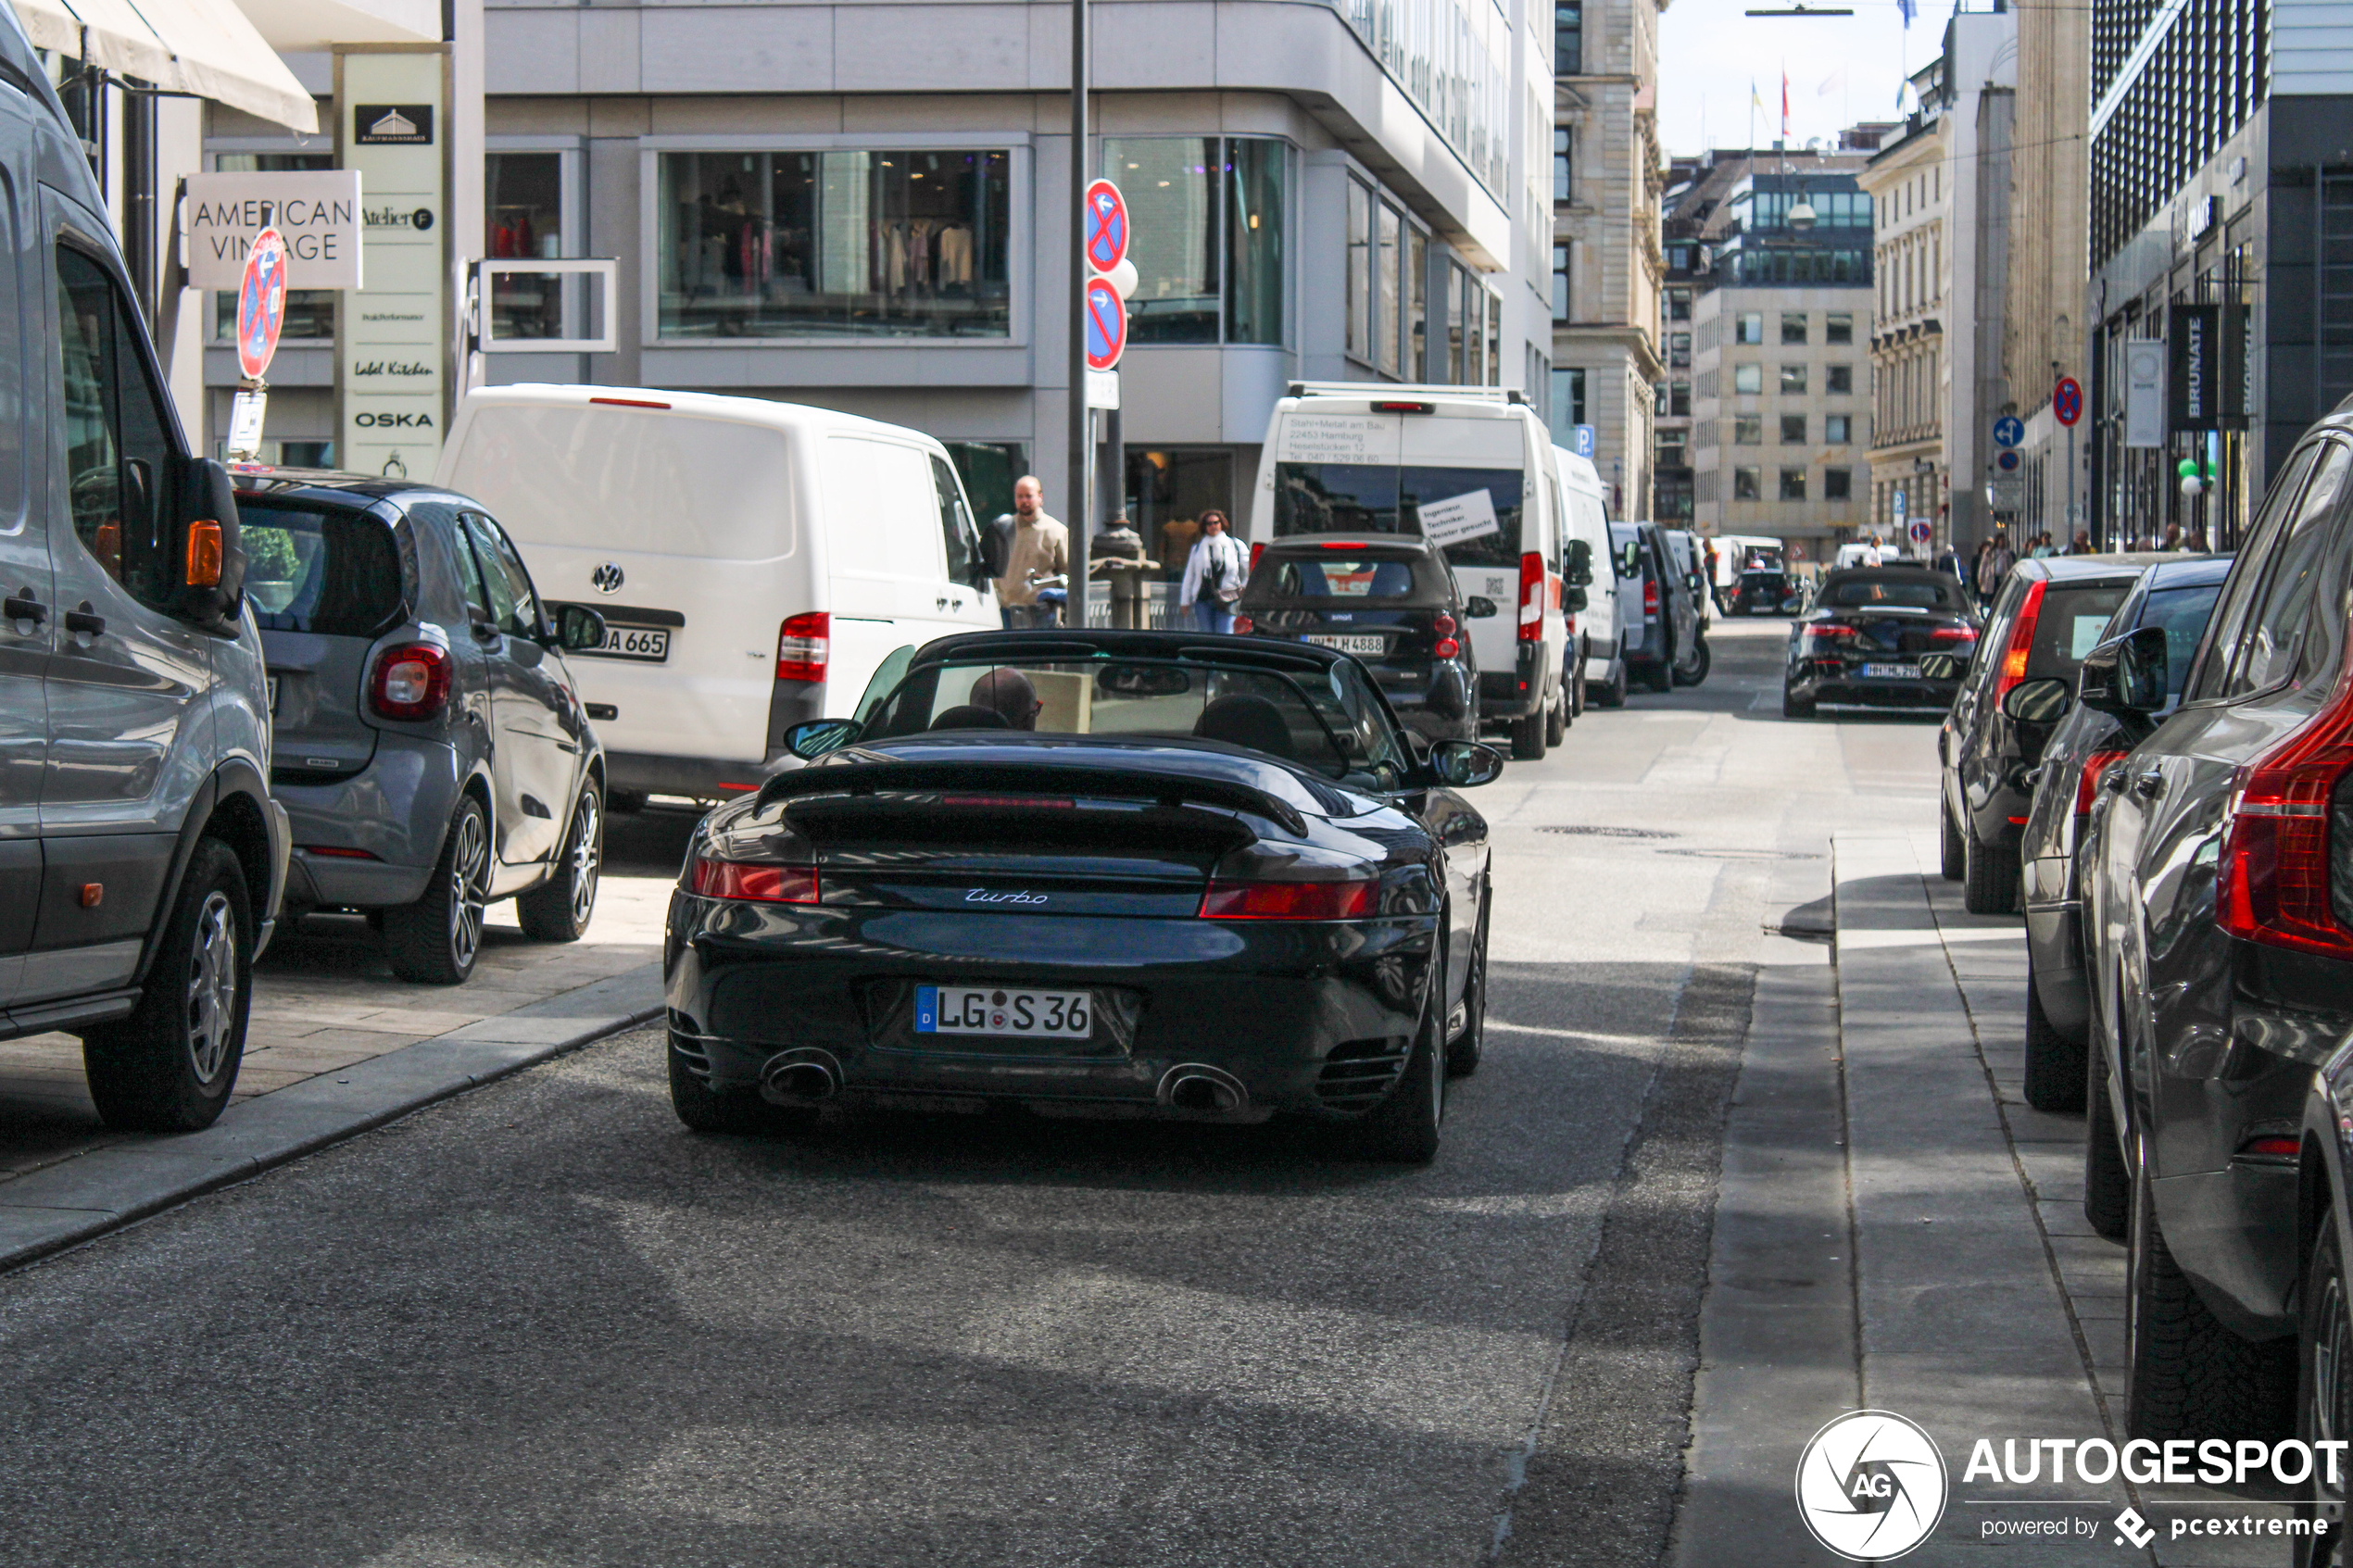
335 1045
1898 1230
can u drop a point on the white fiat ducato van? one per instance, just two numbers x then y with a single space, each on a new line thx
756 563
1472 469
1596 653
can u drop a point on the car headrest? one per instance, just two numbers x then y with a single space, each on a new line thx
1246 721
968 717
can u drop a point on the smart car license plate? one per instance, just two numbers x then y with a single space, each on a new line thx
1891 672
1357 645
649 643
990 1010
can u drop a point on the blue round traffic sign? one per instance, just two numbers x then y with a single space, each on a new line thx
1103 225
2006 461
2067 400
1106 324
2008 431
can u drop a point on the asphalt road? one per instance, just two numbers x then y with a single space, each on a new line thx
544 1325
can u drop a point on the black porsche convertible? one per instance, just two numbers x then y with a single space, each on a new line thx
1117 873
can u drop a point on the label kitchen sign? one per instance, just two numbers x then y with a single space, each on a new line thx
317 212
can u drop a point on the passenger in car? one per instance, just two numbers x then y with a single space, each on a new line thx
1009 694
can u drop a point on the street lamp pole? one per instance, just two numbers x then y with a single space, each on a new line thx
1082 421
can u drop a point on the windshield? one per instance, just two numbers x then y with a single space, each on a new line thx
1886 590
1360 579
1327 721
1473 512
335 574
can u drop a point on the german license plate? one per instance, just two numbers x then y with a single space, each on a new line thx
1356 645
994 1009
1891 672
649 643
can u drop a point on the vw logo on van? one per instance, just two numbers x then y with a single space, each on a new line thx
607 578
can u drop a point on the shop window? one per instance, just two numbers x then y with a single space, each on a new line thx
1417 305
1747 484
849 243
1838 380
523 195
1748 378
1386 309
1792 429
1792 326
1166 491
310 313
1792 484
1792 380
1458 332
1494 338
1257 183
1837 484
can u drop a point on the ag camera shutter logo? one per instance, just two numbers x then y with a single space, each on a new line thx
1871 1485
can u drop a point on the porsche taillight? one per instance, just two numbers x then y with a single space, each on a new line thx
753 882
2272 880
1230 898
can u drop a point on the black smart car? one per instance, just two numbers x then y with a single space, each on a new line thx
2049 613
1390 600
2219 943
1115 874
1865 641
1765 591
2177 596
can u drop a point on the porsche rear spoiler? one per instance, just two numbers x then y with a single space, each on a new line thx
1045 778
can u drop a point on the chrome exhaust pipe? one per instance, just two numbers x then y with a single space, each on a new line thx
1194 1085
800 1076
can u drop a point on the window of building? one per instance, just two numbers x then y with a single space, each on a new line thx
1838 380
1679 305
1678 351
1748 484
1387 253
1751 327
1748 378
1792 429
1569 37
1838 327
1458 328
1748 430
1671 448
1837 484
1792 326
1494 338
848 244
1560 282
1792 484
1536 375
309 313
1564 150
1219 203
525 195
1417 305
1360 272
1679 398
1569 400
1837 429
1794 379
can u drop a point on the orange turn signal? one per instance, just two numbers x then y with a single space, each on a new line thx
204 554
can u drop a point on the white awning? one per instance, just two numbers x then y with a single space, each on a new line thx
206 48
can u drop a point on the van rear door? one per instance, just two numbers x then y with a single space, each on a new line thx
1471 474
885 560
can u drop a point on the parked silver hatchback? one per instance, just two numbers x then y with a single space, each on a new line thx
432 750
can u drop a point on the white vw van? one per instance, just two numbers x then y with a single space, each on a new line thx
1593 630
755 562
1471 468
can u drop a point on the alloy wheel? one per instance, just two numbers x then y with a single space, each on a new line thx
469 887
587 856
212 988
2332 1353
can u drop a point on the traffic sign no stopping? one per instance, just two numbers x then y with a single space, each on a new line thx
1103 219
1106 324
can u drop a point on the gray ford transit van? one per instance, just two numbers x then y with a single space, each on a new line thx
140 856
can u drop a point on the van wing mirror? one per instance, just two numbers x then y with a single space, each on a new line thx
1574 600
209 544
1580 572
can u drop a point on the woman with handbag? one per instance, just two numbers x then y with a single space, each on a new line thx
1213 575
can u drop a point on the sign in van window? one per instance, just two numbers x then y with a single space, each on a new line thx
1458 518
836 244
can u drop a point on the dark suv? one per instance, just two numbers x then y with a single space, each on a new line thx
2219 943
2049 613
431 750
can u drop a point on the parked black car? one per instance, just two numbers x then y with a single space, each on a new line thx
2178 596
1390 600
2219 938
1118 874
1866 637
430 747
1766 591
2049 613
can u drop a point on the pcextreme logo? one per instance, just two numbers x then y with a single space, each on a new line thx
1871 1485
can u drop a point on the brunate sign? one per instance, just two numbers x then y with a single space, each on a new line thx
316 212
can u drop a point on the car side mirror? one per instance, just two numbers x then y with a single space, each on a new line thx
813 738
2125 677
578 627
1477 609
1465 764
996 544
1574 600
2036 702
1944 666
211 545
1579 572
